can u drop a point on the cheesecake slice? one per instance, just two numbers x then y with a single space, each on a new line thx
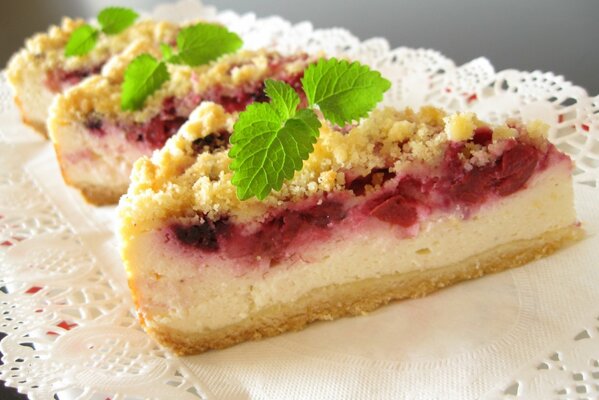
40 71
97 143
396 207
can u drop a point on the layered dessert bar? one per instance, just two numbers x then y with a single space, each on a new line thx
97 142
398 206
40 70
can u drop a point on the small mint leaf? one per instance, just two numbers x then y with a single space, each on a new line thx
81 41
167 51
268 149
143 76
343 91
114 20
283 98
309 118
201 43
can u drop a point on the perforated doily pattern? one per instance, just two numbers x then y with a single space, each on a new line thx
65 307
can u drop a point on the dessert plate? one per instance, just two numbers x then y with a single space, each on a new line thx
528 333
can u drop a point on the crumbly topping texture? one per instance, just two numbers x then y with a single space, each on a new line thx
177 183
102 93
45 51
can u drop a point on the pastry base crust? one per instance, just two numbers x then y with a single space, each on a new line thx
100 196
360 297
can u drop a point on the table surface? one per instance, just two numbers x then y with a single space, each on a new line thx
548 35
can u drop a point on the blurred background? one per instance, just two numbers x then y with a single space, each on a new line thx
550 35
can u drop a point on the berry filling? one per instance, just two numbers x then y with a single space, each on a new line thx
58 80
448 188
156 132
159 129
212 142
239 100
271 241
175 111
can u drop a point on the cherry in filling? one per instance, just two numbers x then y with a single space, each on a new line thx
212 142
452 187
161 127
156 132
58 80
239 100
270 241
503 177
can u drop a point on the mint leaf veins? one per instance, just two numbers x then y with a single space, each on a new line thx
270 141
343 91
143 76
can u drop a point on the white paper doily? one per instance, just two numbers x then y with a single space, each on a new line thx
530 333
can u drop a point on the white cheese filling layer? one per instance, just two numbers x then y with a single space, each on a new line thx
87 159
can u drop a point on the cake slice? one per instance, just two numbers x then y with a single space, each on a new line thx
97 143
396 207
40 71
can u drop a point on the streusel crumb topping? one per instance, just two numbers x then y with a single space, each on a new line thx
102 93
176 182
45 51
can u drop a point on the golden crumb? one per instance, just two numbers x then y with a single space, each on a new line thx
537 129
44 52
504 132
460 127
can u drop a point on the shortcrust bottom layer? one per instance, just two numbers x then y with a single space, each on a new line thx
101 195
355 298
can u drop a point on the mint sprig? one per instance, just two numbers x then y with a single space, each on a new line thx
343 91
82 41
112 20
115 20
197 44
202 43
270 141
166 50
144 75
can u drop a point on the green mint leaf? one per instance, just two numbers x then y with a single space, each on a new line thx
114 20
82 41
309 117
283 98
343 91
201 43
166 50
268 149
143 76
